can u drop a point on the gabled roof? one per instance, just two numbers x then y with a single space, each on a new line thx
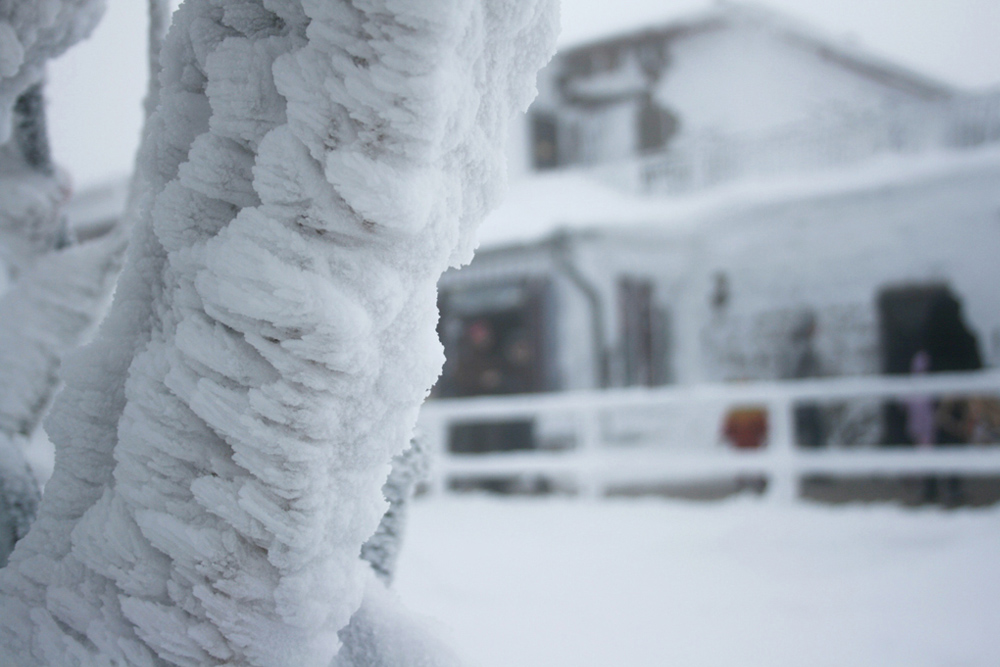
724 15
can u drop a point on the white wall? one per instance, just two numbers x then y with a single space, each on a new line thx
745 79
835 253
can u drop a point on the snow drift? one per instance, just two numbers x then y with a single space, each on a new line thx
312 169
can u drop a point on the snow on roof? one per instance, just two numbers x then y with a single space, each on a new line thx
726 13
575 199
538 205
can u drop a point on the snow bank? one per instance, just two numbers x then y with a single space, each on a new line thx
648 583
312 169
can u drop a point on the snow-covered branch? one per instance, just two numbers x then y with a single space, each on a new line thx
31 33
313 167
159 21
382 549
46 303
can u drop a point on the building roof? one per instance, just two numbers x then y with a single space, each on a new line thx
729 14
538 206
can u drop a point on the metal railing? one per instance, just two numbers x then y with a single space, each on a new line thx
594 463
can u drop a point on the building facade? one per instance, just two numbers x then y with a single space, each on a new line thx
732 198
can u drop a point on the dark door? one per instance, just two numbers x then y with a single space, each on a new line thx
642 334
927 318
923 318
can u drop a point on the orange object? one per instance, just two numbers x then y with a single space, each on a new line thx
746 427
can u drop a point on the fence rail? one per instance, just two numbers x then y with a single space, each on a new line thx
595 464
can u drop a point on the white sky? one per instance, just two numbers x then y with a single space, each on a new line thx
96 89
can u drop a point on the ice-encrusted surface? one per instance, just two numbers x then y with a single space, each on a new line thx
312 169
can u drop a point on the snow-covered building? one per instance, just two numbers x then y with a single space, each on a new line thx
644 291
728 197
718 199
731 91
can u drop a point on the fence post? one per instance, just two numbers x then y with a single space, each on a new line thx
588 443
783 482
434 432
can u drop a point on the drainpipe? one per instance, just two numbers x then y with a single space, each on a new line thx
560 246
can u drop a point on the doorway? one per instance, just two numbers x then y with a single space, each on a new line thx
915 319
929 318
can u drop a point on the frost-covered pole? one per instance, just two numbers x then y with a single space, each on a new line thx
40 316
313 167
159 21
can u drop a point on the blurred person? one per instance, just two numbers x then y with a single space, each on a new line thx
921 423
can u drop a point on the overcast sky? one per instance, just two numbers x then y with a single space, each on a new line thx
96 89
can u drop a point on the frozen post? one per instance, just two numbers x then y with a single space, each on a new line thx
588 429
783 481
311 170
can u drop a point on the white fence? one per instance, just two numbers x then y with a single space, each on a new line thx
594 464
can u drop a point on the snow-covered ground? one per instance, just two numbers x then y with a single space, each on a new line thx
651 583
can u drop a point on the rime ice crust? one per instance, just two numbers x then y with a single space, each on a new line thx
221 447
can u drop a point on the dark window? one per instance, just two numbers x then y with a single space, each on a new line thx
656 125
481 437
495 339
544 141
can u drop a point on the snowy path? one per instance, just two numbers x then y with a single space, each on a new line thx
650 584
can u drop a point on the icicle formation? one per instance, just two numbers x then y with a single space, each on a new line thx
221 448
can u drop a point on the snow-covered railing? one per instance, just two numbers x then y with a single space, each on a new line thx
707 159
593 464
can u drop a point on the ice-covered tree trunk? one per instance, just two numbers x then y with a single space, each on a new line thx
43 312
313 167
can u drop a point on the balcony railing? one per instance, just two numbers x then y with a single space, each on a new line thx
706 159
692 449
